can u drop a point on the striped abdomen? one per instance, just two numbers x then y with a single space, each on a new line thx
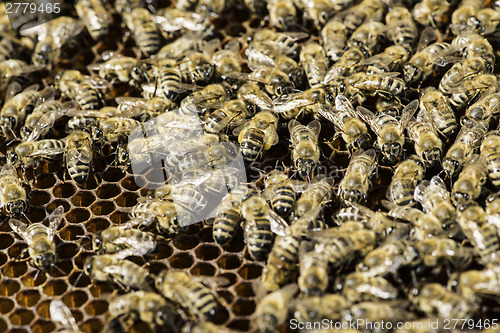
79 155
87 97
225 225
259 238
170 81
350 214
283 199
197 298
252 144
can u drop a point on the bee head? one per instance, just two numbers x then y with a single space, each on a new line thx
44 261
353 195
16 208
96 242
392 150
97 133
284 89
361 141
12 157
432 156
123 155
304 167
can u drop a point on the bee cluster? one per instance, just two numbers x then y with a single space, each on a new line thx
368 131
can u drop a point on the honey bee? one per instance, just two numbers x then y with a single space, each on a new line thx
166 213
464 17
427 143
493 210
148 307
60 314
435 107
490 150
406 177
173 20
296 105
388 311
368 35
304 139
261 223
142 26
385 84
314 62
144 108
426 11
228 116
282 261
436 251
12 68
272 309
13 197
390 60
435 200
348 64
468 89
275 82
15 109
257 135
317 308
480 283
356 182
282 14
347 122
228 216
125 6
480 233
425 225
334 36
114 129
28 153
366 10
40 239
95 16
470 182
199 101
465 144
118 68
191 41
78 155
253 95
117 239
488 21
191 294
313 271
316 194
434 298
360 286
215 156
227 60
112 268
486 109
389 257
280 192
402 29
74 85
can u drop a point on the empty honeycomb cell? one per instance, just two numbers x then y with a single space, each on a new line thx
203 268
63 267
113 174
126 199
226 295
45 180
21 317
56 203
6 305
18 251
36 214
6 240
229 261
28 297
181 260
55 287
78 215
91 325
38 198
185 242
8 287
119 217
236 245
77 314
206 235
18 330
108 191
156 267
14 269
75 299
100 288
163 250
250 271
64 190
33 279
244 289
129 183
43 308
90 184
96 308
71 232
3 259
79 260
78 279
140 327
3 325
43 326
222 315
67 251
230 278
83 199
240 325
243 307
207 252
97 224
102 207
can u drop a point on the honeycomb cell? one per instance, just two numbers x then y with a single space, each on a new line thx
244 289
96 224
243 307
71 232
55 287
18 330
56 203
119 217
75 299
181 260
43 308
229 261
21 317
108 191
126 199
129 183
162 251
203 269
14 269
18 251
230 277
77 314
28 297
43 326
29 280
45 180
140 327
113 174
78 215
90 184
206 235
36 214
185 242
3 325
6 305
8 287
226 295
250 271
38 198
3 259
67 251
79 279
207 252
96 308
100 288
240 325
92 325
64 266
83 199
222 315
64 190
102 207
156 267
6 240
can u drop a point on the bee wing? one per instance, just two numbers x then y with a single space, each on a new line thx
262 100
21 229
213 282
48 152
47 94
315 127
240 128
368 117
46 121
60 313
271 138
342 104
168 24
438 184
289 102
9 169
364 210
55 219
427 36
238 76
63 33
408 113
466 86
257 59
278 224
420 190
98 82
12 90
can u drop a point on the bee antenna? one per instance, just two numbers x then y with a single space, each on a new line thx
59 270
78 278
36 275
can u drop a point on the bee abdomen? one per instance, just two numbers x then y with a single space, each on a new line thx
259 239
225 226
252 144
283 200
170 80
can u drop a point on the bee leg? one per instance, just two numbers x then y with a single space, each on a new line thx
120 284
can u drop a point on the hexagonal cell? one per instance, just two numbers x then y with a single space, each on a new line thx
129 183
163 250
78 215
126 199
207 252
45 180
206 235
240 325
29 281
21 317
226 295
36 214
96 308
97 224
108 191
102 207
156 267
6 240
75 299
71 232
14 269
99 288
55 287
43 308
67 250
113 174
77 314
185 242
3 325
6 305
230 277
243 307
18 251
78 279
3 259
181 260
140 327
90 184
43 326
9 287
203 268
64 266
92 325
28 297
56 203
222 315
83 199
250 271
38 198
119 217
64 190
244 289
229 261
237 244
